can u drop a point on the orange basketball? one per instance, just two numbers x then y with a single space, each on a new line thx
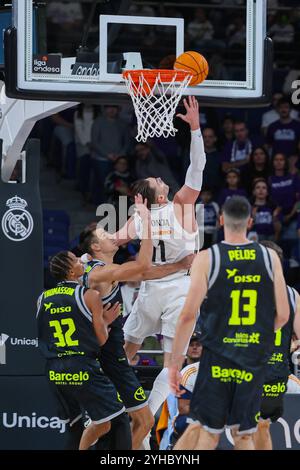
195 63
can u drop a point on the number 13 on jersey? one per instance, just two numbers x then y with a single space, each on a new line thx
249 300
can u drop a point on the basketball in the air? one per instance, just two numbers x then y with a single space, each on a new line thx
195 63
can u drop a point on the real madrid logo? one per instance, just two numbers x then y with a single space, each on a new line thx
17 223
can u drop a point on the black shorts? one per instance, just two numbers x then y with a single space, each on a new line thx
272 399
81 386
226 394
115 365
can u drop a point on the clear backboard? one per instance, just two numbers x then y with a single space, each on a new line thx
77 50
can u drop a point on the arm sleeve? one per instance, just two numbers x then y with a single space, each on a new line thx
194 173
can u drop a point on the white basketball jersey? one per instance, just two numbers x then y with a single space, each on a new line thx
171 242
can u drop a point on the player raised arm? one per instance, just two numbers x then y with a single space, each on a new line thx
280 291
163 270
186 321
123 272
126 233
190 191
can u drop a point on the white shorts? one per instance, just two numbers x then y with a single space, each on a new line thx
156 309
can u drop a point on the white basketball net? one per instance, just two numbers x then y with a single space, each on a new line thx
155 110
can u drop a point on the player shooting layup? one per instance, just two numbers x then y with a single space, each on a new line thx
174 234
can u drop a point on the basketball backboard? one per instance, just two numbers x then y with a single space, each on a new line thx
87 44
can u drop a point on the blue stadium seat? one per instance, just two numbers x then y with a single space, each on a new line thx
56 216
50 251
56 233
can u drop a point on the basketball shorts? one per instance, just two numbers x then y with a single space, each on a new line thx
272 399
115 365
156 309
80 385
226 395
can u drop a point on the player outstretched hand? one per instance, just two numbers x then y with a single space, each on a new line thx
192 113
175 380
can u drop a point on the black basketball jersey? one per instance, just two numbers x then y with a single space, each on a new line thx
114 296
237 320
65 327
278 364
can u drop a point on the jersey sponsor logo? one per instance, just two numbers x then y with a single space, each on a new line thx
240 255
275 358
47 306
62 290
68 378
17 223
160 223
139 394
274 389
231 375
71 353
243 339
66 309
14 420
231 273
247 278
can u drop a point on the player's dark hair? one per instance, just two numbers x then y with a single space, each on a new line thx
60 265
273 246
87 237
236 212
143 188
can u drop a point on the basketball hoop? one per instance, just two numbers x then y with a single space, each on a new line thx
155 95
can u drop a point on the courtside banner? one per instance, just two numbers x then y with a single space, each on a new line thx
21 273
29 415
285 432
29 420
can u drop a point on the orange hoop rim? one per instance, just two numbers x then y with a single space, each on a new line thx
166 75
